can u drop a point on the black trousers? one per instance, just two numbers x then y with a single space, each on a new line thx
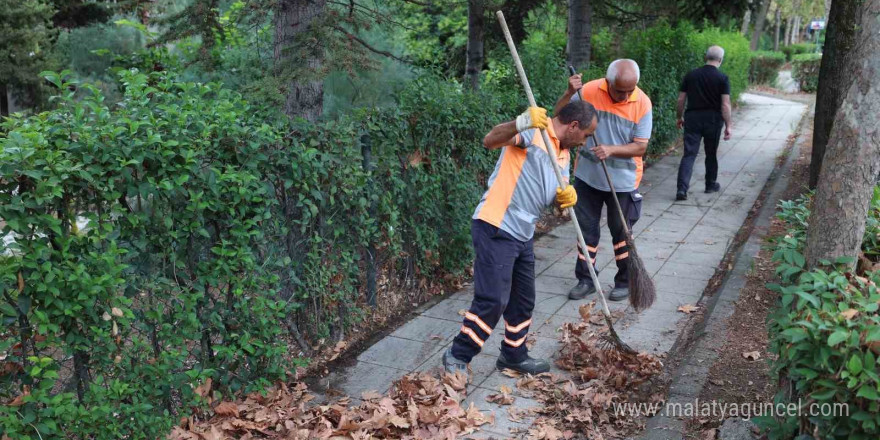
589 215
504 285
705 125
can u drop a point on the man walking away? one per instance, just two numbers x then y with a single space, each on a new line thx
521 187
707 92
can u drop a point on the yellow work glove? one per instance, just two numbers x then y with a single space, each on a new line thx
534 117
566 198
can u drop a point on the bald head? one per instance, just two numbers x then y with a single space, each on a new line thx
714 54
622 75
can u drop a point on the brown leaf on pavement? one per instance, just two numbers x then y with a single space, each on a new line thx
688 308
510 373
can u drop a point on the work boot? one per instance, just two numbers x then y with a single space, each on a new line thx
528 366
619 294
582 289
452 365
681 196
713 187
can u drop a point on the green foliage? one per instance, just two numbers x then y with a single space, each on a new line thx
375 88
160 286
178 236
601 48
826 332
25 33
663 63
805 69
435 35
798 48
765 66
90 50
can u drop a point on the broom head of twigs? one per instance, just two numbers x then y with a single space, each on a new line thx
641 287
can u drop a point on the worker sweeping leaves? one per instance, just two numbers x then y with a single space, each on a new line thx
521 187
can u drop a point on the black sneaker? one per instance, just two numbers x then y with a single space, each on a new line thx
583 288
715 187
452 365
680 196
619 294
528 366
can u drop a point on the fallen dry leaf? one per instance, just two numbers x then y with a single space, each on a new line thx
462 312
709 434
500 399
753 355
849 314
226 409
204 389
510 373
688 308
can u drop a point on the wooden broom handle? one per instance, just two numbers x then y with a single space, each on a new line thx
553 156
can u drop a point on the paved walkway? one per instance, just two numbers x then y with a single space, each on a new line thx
681 244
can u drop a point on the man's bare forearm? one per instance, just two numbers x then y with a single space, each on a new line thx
633 149
679 107
500 135
725 114
565 99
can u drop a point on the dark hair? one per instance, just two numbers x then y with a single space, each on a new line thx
581 111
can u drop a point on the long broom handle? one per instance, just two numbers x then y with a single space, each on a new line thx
614 194
552 149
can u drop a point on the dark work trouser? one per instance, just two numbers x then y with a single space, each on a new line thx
705 125
504 285
589 215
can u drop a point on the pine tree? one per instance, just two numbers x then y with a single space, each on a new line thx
25 35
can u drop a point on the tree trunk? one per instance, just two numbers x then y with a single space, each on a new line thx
852 159
580 28
4 100
776 35
834 74
294 20
763 7
746 20
796 32
786 39
476 25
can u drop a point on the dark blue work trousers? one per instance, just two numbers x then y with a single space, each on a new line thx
504 285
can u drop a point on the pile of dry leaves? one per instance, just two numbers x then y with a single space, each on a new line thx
425 406
600 380
418 406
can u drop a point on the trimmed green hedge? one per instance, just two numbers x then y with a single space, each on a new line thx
805 69
665 54
207 231
765 66
795 49
826 334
